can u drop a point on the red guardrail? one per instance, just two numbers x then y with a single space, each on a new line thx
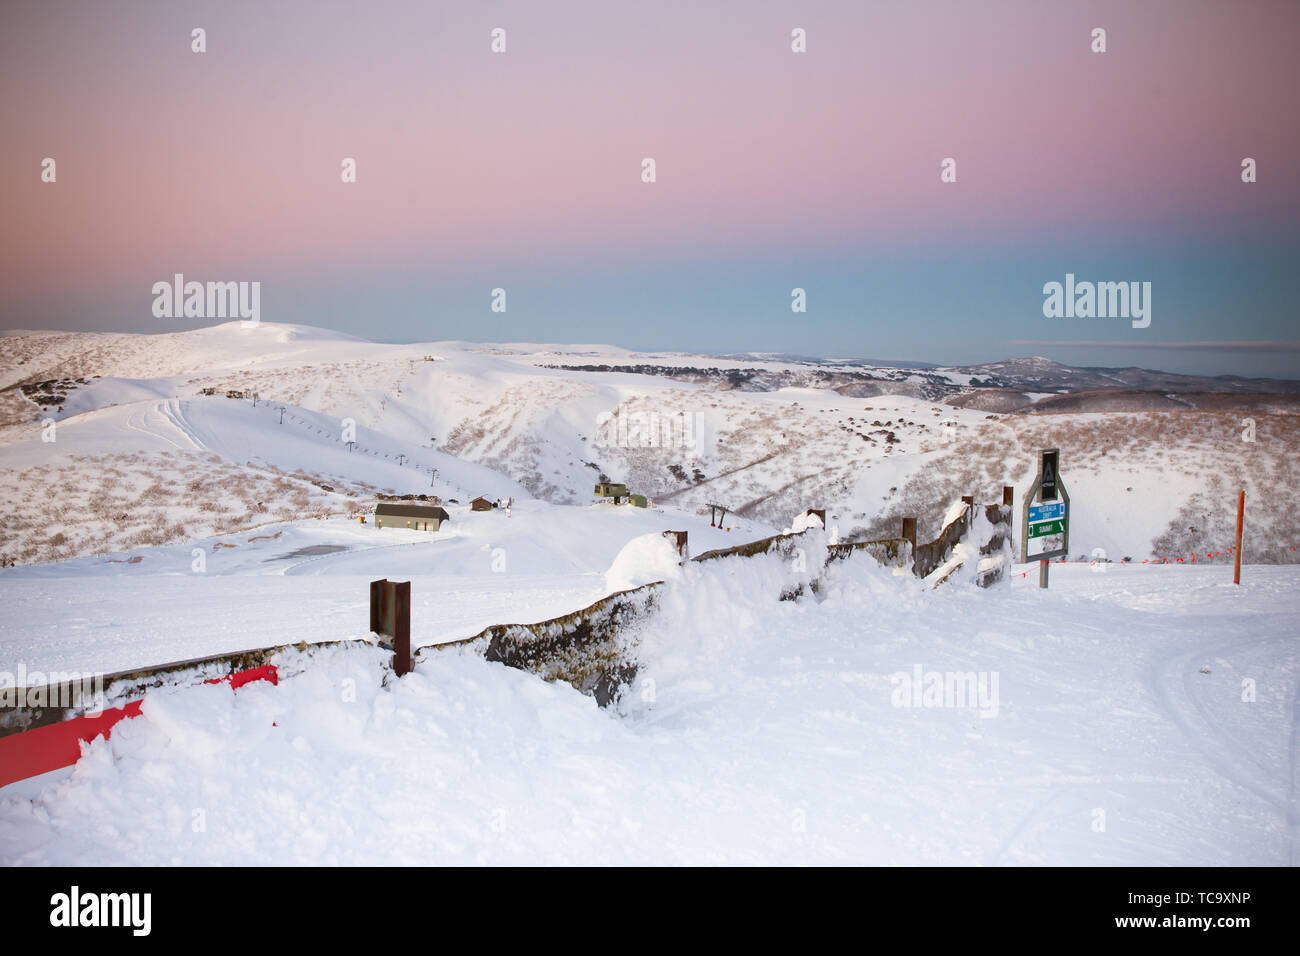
52 746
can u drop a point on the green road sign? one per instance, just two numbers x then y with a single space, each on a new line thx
1045 515
1044 528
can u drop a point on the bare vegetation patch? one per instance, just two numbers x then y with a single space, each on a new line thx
107 503
1201 448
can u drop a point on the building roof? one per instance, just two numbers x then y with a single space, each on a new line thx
403 510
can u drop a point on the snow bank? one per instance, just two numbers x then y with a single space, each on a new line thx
650 557
760 732
954 512
719 606
802 523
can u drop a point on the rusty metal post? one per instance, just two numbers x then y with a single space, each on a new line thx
1008 495
401 628
678 538
909 531
377 592
1236 553
390 617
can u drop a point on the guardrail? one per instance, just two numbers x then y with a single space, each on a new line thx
593 648
42 727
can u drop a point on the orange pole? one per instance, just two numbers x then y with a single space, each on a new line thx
1236 554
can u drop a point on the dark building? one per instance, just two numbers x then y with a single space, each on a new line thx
392 514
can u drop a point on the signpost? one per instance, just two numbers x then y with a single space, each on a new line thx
1045 518
1046 512
1043 529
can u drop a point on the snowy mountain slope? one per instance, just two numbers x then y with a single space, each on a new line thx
523 420
26 356
151 472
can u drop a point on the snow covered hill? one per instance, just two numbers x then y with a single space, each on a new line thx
765 437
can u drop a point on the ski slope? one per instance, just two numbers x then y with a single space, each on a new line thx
505 420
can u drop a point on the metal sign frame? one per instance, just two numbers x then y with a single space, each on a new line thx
1028 501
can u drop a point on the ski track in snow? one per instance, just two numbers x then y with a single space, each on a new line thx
1201 727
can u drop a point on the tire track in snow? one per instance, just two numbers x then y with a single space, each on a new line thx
1204 731
1006 843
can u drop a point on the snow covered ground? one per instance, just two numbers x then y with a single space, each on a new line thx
1111 722
1131 714
309 581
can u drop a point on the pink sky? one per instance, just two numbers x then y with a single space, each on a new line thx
228 162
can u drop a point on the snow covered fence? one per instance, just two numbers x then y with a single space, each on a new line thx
594 649
43 726
978 536
591 649
891 552
985 528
